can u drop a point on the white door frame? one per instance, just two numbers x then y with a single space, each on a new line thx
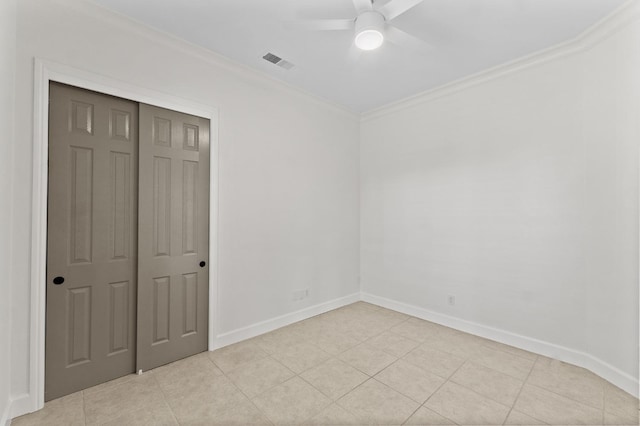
46 71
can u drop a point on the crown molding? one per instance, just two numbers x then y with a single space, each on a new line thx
171 41
616 21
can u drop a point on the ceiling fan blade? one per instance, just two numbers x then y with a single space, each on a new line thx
397 7
321 25
407 41
362 5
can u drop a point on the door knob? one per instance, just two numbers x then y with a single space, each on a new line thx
202 263
58 280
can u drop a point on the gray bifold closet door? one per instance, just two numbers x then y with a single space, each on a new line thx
126 236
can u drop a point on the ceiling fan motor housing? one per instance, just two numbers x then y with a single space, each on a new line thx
369 30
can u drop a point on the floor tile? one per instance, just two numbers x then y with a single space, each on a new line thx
417 329
367 359
376 403
389 317
509 349
307 329
116 382
177 381
301 356
334 342
132 395
355 330
555 409
462 345
363 306
434 361
291 402
334 378
156 414
240 414
334 415
464 406
518 418
393 344
568 380
366 328
620 403
233 356
64 411
488 382
624 420
173 375
279 340
202 401
427 417
410 380
253 378
504 362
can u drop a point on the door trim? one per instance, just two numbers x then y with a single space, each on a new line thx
44 72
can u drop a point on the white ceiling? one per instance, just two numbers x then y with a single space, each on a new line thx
466 36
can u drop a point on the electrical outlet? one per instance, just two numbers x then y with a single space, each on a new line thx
300 294
452 300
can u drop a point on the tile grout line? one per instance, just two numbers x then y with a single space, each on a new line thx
563 396
247 396
524 383
238 388
447 380
164 398
352 390
84 410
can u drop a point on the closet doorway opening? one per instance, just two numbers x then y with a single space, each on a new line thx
127 256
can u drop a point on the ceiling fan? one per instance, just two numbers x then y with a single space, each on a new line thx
371 25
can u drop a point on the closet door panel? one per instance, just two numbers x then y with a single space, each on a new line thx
173 247
91 240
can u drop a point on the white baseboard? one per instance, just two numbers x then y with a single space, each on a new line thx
608 372
266 326
20 405
16 407
5 418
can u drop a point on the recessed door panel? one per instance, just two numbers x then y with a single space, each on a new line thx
81 209
190 301
174 191
79 319
161 309
120 125
189 207
120 231
91 240
161 206
119 319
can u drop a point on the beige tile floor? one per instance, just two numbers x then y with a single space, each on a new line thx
356 365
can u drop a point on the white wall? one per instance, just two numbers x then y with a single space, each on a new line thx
516 192
611 141
288 164
7 81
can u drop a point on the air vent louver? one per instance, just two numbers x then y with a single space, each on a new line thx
272 58
277 60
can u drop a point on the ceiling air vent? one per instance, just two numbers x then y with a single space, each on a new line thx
277 60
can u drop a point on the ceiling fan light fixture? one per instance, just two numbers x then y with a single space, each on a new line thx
369 39
369 30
